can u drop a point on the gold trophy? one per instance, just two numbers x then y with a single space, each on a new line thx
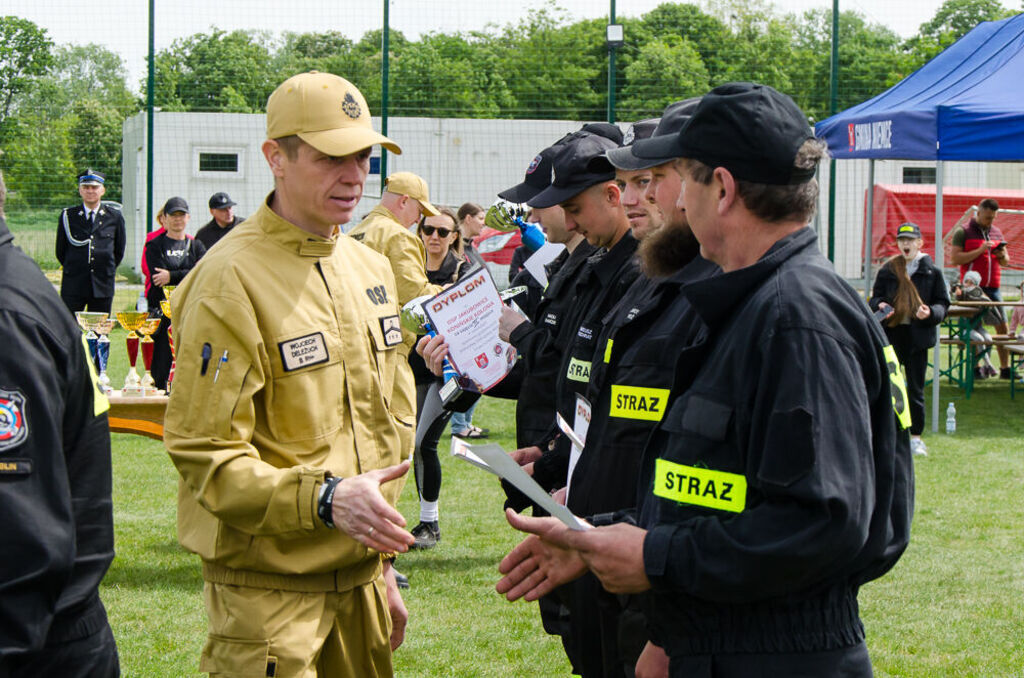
165 308
132 321
150 326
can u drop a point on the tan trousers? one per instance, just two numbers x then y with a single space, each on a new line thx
286 634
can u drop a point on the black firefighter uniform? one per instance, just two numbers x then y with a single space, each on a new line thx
304 340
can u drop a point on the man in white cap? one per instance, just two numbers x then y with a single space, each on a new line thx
283 422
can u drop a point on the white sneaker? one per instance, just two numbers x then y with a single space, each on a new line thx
917 448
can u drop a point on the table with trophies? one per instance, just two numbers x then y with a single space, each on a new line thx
138 407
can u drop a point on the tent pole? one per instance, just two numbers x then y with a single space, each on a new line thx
939 263
869 228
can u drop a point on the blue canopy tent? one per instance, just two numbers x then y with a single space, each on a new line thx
965 104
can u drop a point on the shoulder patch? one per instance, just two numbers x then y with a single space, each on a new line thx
13 425
391 328
303 351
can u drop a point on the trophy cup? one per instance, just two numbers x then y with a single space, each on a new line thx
103 351
458 393
132 321
506 216
89 321
149 326
165 308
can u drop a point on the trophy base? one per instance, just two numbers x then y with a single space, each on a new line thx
458 394
135 391
152 391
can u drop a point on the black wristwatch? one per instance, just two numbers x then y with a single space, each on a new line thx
326 502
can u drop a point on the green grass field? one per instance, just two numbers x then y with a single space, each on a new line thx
953 606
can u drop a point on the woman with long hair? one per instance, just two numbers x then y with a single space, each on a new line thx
914 292
445 265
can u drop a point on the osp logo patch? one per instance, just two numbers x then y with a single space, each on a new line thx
351 106
13 427
533 165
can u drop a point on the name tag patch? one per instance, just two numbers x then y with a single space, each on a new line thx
551 319
303 352
579 370
718 490
391 327
15 467
638 402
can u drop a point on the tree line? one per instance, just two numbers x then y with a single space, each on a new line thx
62 106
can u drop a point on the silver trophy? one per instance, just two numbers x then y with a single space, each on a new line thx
97 327
458 392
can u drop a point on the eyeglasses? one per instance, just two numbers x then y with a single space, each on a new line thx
441 231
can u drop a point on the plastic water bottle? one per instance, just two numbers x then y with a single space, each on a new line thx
142 305
951 419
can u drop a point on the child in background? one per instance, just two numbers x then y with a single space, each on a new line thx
971 291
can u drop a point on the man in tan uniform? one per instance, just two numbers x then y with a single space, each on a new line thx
285 423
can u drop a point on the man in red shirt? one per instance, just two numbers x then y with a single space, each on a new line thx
980 247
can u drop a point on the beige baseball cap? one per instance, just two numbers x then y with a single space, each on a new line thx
326 111
414 186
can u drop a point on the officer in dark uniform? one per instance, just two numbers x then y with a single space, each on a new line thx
90 246
55 482
779 481
223 219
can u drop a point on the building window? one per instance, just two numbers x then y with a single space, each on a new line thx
919 175
218 163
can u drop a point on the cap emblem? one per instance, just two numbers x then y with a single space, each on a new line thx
629 136
533 165
351 106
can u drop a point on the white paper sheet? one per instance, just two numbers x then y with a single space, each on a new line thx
541 258
492 458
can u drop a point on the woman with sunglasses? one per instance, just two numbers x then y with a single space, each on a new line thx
445 265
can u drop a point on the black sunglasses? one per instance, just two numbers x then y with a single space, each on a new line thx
441 232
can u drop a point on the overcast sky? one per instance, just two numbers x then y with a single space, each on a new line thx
122 25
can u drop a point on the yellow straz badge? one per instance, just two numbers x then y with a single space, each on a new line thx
638 402
700 486
898 386
579 370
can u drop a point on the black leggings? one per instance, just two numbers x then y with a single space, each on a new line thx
431 418
915 368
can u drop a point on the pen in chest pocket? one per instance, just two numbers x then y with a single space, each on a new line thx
223 361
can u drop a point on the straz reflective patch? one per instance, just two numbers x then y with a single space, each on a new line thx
392 329
579 370
700 486
898 386
15 467
13 424
608 352
303 351
638 402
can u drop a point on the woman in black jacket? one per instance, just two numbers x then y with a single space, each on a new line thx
169 257
915 293
445 265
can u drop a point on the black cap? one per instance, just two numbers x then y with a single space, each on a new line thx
749 129
608 130
623 158
91 176
219 201
908 230
176 204
653 151
538 177
577 163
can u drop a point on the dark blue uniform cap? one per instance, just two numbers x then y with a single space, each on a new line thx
651 152
91 176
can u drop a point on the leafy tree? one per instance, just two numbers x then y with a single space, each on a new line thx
37 162
953 20
215 72
708 34
664 71
25 54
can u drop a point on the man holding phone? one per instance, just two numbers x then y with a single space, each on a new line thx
980 247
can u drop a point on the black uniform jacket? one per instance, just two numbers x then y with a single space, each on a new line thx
778 481
211 233
541 344
91 255
931 287
55 478
630 386
604 280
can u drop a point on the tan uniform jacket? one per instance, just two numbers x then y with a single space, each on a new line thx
310 329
